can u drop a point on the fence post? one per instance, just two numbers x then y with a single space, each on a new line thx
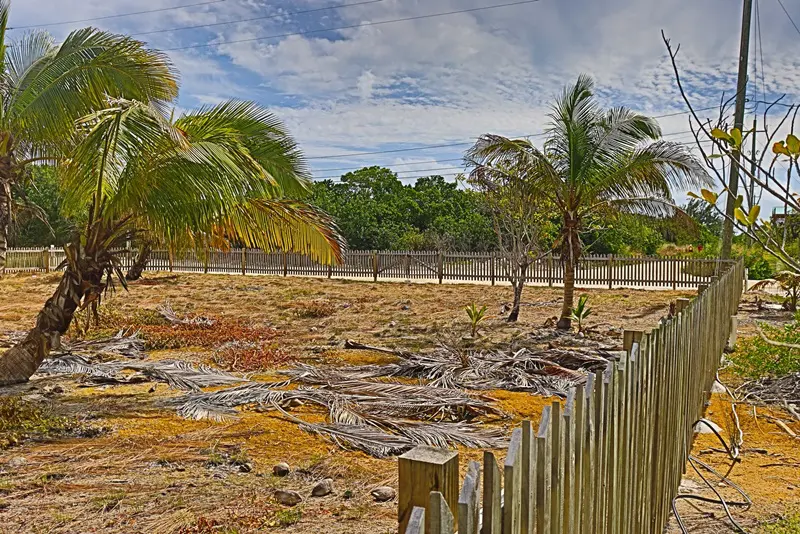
285 263
421 471
491 268
681 304
701 288
407 265
330 269
440 266
629 337
205 260
244 261
550 269
611 271
170 258
46 260
375 266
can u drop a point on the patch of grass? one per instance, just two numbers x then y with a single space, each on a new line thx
286 518
205 525
788 525
22 420
755 358
314 308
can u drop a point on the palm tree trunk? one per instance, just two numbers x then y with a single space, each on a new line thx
565 323
19 362
135 272
82 282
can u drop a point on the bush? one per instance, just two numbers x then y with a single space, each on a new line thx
755 358
22 420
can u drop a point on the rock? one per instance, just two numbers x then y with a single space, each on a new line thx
382 494
323 488
702 428
392 324
53 390
717 388
281 470
16 462
245 467
690 486
288 497
406 307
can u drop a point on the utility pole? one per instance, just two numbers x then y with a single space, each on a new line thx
738 122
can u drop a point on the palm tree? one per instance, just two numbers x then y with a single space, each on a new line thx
45 87
594 162
209 177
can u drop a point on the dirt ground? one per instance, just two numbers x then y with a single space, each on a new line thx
148 470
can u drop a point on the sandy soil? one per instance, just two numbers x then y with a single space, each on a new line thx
149 470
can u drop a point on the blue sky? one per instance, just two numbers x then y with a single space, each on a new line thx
438 80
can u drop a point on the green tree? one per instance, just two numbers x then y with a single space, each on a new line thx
34 229
375 210
594 163
212 176
47 86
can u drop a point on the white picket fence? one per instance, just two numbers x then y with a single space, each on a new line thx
598 271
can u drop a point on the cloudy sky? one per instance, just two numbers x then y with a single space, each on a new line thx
349 78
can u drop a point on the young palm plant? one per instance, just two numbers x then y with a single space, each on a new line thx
595 162
210 177
46 87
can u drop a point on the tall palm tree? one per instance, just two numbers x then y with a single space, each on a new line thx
594 162
45 87
212 176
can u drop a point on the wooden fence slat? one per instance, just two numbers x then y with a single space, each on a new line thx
492 505
440 518
469 500
512 487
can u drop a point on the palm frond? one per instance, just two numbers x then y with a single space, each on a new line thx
79 75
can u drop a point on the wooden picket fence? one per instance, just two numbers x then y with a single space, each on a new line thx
611 457
602 271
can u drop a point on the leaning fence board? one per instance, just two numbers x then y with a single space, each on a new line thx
469 500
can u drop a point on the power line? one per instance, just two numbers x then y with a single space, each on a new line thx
397 164
353 26
265 17
118 15
789 16
465 143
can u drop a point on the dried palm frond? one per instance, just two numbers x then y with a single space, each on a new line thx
444 435
176 373
169 314
130 346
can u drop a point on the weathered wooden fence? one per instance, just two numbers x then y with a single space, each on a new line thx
611 457
603 271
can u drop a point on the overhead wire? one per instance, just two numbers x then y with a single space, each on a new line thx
354 26
118 15
252 19
789 16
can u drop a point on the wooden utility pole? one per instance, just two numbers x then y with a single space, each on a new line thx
738 122
753 170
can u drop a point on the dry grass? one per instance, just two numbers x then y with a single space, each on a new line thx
154 472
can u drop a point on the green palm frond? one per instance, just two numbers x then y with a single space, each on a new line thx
206 179
51 86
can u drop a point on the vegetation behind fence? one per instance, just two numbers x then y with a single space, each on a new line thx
607 271
610 459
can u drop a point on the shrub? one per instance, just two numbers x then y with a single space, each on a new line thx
755 358
22 420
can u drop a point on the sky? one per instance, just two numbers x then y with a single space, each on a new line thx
347 80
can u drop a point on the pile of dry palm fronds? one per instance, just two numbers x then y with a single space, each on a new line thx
379 418
539 371
783 391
